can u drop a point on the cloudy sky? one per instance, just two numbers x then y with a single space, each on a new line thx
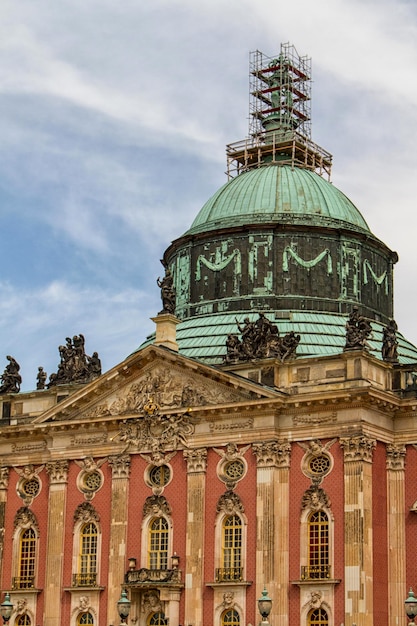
114 119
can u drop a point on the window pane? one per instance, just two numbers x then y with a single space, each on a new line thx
158 544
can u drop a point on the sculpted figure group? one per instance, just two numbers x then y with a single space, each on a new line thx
11 379
75 365
259 340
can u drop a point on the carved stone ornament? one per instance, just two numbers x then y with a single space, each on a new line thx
24 518
85 513
4 477
359 448
228 600
151 602
28 485
396 456
166 389
260 340
120 465
315 601
315 498
156 506
196 460
57 471
84 603
232 451
21 606
230 503
272 454
158 432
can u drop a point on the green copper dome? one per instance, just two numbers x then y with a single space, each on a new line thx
278 194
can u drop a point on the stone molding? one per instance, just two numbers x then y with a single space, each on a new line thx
4 478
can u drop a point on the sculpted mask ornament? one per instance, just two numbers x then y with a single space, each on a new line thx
315 498
230 503
24 518
85 512
156 506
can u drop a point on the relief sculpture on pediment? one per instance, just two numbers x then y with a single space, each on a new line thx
166 389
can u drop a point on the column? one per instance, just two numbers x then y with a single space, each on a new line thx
58 478
396 532
120 465
196 497
272 514
4 483
358 530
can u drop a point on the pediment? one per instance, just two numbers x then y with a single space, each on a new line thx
155 379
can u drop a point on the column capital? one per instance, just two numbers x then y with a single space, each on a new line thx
120 465
396 456
196 460
358 448
272 453
57 472
4 478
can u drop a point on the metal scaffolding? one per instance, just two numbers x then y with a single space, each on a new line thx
280 116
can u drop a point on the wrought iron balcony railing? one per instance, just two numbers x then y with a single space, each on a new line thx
23 582
84 580
229 574
314 572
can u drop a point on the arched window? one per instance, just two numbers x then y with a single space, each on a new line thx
85 618
231 560
27 560
23 620
87 570
158 543
158 619
318 617
318 545
230 618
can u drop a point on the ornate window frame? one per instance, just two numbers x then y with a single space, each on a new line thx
24 521
84 515
229 505
155 507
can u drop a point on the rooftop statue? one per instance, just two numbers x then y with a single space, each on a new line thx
358 330
167 291
75 365
11 379
260 340
41 378
390 342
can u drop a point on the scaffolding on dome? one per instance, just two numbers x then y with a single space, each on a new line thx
280 116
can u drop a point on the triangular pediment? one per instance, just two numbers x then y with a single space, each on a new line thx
156 379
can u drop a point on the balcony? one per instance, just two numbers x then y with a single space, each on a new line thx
23 582
84 580
229 574
146 576
315 572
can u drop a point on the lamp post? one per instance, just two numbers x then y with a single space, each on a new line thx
411 607
6 608
123 606
264 606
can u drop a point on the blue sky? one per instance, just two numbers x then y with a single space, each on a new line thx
114 119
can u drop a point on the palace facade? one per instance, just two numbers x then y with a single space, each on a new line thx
263 438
